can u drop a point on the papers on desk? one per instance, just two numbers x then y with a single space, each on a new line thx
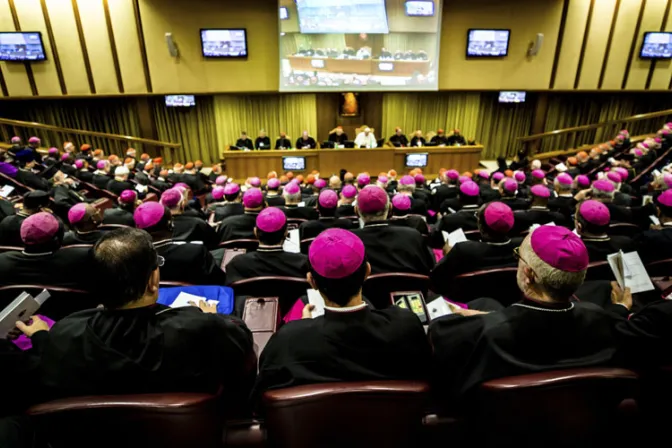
20 309
630 272
454 237
437 308
184 298
6 191
314 298
292 242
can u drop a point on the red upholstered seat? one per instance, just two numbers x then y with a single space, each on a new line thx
359 414
61 303
377 288
153 420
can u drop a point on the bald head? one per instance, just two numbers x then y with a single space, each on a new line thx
334 182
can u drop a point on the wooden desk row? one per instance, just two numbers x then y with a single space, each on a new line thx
359 66
244 164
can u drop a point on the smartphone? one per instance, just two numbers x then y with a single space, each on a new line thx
414 301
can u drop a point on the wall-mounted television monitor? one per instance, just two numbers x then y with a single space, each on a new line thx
293 163
284 13
656 45
22 47
224 43
342 16
420 8
417 160
488 43
512 97
180 101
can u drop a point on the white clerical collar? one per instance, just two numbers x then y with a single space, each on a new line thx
595 238
382 224
41 254
539 207
566 195
668 224
493 243
163 242
347 309
263 248
470 207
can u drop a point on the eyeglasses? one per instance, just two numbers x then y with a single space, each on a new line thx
516 255
160 261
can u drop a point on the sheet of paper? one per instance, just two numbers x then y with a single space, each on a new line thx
292 243
654 220
454 237
616 263
302 204
561 167
437 308
634 274
184 298
646 199
6 191
314 298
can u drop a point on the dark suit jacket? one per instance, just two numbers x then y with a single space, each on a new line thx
67 267
525 218
238 227
100 181
32 180
653 245
295 212
231 209
266 261
189 228
117 187
311 229
118 216
599 248
189 263
411 221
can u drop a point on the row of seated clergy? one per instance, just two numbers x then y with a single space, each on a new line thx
264 143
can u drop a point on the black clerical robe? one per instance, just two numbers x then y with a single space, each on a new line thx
100 181
416 140
195 182
399 140
619 213
118 216
151 349
66 267
347 345
275 200
525 337
189 228
395 249
229 209
262 143
283 143
118 187
266 261
345 210
441 193
464 218
537 215
439 140
311 229
488 193
6 209
10 230
295 212
32 180
600 247
653 245
308 143
456 140
243 143
189 263
516 203
238 227
338 139
563 204
412 221
73 237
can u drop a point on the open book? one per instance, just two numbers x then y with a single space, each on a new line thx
630 272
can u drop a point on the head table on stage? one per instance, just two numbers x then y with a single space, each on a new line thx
243 164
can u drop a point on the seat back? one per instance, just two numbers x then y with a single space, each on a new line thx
247 244
660 268
151 197
377 288
294 223
61 303
599 270
362 414
623 229
103 204
557 408
305 245
156 420
10 249
286 289
110 227
499 284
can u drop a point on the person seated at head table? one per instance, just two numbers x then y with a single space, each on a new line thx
407 186
270 259
351 341
273 196
283 142
564 201
418 139
456 138
244 142
326 206
305 141
398 140
26 162
656 243
184 262
398 55
509 190
366 139
385 54
84 221
409 55
123 213
439 139
389 248
42 261
545 331
338 136
422 55
232 204
132 345
494 250
401 207
592 223
120 181
345 203
489 185
448 188
187 228
10 227
241 226
262 142
364 53
538 213
292 195
465 216
193 179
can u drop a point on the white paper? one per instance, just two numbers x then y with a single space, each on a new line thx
534 226
314 298
614 261
437 308
292 242
656 173
184 298
6 191
633 274
654 220
302 204
454 237
646 199
561 167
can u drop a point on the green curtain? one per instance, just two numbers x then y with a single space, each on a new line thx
500 124
112 116
410 41
292 114
193 127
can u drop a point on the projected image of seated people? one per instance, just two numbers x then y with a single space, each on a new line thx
657 46
359 45
224 43
488 43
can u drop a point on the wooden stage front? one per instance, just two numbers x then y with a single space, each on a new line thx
244 164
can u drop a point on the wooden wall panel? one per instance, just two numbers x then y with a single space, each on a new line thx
596 44
67 39
516 71
617 59
652 20
128 46
399 22
98 46
31 19
14 73
572 41
291 25
663 72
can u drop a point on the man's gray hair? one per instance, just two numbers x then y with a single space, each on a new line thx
403 187
375 217
296 197
599 194
562 187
